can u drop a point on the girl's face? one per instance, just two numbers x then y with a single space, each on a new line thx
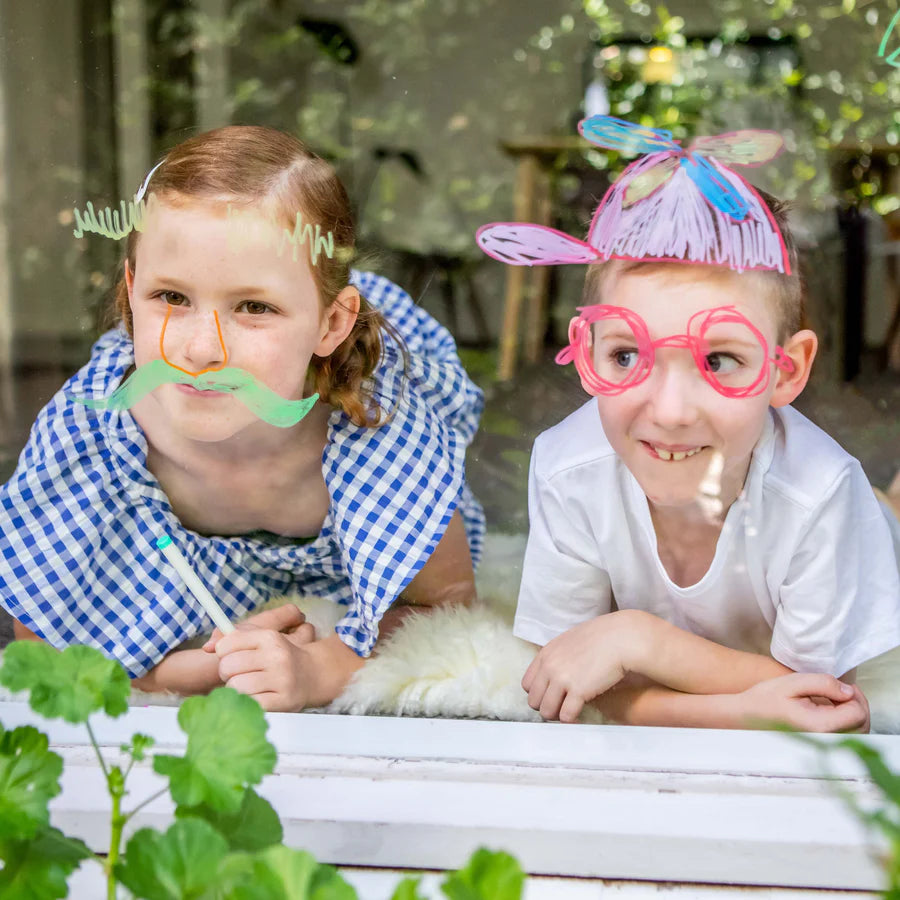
668 428
203 295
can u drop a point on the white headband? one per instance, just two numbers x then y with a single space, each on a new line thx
143 188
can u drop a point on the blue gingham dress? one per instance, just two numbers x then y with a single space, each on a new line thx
81 514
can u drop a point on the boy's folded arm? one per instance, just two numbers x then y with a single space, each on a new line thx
686 662
586 661
636 700
676 678
808 702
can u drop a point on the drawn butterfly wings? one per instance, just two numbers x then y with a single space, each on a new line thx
523 244
749 147
624 137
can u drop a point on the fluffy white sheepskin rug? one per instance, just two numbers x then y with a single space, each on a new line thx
462 663
465 663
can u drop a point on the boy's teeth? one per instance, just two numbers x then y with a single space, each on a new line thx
675 455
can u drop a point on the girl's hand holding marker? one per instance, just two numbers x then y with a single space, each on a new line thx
262 647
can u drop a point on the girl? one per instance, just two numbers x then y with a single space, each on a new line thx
357 493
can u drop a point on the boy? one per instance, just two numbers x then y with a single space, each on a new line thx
692 537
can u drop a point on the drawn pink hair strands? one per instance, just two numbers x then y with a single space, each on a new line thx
676 223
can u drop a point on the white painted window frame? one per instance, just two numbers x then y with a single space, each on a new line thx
652 804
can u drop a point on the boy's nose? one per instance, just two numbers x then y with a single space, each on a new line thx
197 339
674 395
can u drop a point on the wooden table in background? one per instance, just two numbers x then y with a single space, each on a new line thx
532 202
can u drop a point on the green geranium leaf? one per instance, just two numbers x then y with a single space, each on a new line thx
138 747
177 865
29 778
226 750
38 869
69 685
254 826
488 875
408 889
279 873
244 877
302 878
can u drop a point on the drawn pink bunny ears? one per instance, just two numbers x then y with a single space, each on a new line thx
674 205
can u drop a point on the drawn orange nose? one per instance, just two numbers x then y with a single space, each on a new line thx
162 350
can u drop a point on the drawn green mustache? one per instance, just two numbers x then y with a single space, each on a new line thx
259 399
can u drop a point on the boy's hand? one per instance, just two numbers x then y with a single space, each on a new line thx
579 665
807 702
287 619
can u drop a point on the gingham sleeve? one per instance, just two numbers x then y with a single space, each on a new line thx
394 488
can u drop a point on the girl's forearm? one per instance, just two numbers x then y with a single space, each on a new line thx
182 672
332 664
689 663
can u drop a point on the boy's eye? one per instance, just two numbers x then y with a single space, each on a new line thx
255 307
722 363
625 359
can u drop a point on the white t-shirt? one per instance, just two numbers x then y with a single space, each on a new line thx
806 568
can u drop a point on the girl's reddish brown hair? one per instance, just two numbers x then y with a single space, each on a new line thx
274 173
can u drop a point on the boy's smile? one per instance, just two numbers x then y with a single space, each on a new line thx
667 428
675 453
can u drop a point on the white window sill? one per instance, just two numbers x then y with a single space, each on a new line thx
648 804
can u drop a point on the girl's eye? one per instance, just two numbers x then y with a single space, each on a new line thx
172 298
624 359
255 307
722 363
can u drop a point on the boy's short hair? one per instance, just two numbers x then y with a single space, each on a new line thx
786 291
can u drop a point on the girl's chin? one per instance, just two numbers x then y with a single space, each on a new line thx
210 429
208 435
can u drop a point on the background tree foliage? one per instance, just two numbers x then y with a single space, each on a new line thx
409 101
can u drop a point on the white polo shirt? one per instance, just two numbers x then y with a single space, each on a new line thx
805 570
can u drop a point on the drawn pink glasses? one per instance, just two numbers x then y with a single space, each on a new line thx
612 350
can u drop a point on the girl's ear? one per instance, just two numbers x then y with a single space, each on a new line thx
129 280
338 321
800 349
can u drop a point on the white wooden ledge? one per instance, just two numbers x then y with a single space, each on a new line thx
604 802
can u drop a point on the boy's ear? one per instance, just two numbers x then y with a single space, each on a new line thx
338 321
800 349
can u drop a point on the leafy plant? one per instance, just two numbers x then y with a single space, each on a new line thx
883 816
225 841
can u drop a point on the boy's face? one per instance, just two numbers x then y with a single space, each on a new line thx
668 428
